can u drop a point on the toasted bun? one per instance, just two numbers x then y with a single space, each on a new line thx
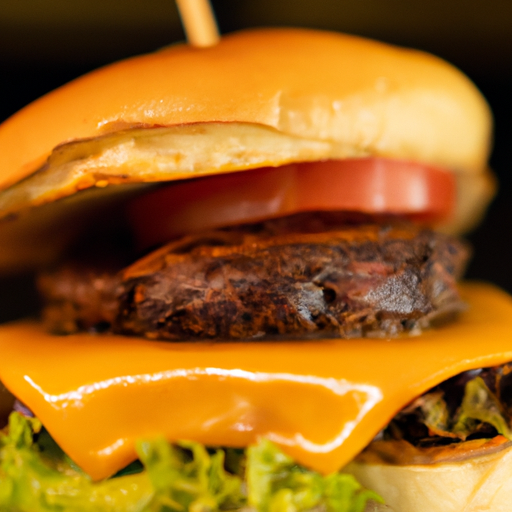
258 98
471 485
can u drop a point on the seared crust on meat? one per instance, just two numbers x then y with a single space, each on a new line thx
246 283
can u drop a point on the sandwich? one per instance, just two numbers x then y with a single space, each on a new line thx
249 263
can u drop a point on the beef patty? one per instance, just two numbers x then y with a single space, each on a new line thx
276 279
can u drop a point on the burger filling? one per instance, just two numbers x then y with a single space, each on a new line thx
36 476
463 417
302 276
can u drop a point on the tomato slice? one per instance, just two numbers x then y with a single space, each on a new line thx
369 185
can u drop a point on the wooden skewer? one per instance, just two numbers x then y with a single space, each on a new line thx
199 22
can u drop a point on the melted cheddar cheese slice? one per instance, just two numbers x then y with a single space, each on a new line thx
322 401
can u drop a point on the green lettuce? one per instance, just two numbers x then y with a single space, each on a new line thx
480 405
479 408
277 484
436 415
37 476
186 477
40 478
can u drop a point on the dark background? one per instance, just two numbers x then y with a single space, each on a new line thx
44 43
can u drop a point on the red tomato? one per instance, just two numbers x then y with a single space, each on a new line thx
369 185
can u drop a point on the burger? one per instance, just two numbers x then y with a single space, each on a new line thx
249 265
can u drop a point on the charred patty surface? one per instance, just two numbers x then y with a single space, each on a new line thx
247 283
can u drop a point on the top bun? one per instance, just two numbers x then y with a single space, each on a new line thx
258 98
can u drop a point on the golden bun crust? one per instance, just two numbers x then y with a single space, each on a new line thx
258 98
369 97
471 485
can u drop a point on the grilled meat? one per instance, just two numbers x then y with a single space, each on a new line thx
268 281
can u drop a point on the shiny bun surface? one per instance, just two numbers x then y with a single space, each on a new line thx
357 96
259 98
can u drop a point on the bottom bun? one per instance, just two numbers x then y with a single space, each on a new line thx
373 506
476 484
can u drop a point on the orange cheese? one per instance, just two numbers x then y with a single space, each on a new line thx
321 401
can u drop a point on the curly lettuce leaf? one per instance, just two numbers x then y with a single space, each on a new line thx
37 476
475 404
436 415
276 484
187 478
34 480
480 405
